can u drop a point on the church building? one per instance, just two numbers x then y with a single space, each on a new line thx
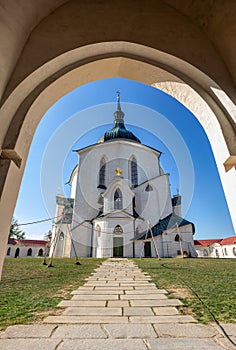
120 203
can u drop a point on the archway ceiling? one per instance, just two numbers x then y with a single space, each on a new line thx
214 18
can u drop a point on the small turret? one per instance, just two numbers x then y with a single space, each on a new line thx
176 204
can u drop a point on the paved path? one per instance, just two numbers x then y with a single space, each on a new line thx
117 309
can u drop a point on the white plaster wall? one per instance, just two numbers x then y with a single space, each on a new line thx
118 154
170 247
231 251
127 196
55 227
200 252
216 247
157 248
154 205
82 239
138 249
73 185
221 249
105 241
24 250
62 244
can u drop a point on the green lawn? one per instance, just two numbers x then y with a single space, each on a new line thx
29 290
214 280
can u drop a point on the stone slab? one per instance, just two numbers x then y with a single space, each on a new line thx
145 288
165 311
162 319
88 331
29 344
77 303
230 328
167 302
226 343
104 344
185 330
85 319
98 283
123 278
93 311
31 331
153 291
144 296
114 288
102 284
138 311
118 303
95 297
130 330
184 343
137 284
97 292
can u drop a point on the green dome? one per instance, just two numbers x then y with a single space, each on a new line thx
119 130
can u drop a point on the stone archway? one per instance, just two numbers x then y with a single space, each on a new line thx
156 44
172 84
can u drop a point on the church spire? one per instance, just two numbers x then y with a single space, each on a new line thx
119 130
118 115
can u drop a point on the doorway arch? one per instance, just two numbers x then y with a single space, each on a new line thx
44 73
118 246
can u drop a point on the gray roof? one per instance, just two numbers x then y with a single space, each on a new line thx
163 225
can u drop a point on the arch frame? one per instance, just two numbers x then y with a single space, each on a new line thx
102 176
117 198
25 106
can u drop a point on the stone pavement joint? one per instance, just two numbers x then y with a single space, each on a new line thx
117 308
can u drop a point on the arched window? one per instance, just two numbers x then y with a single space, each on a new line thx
17 253
102 174
217 253
62 236
234 251
98 230
118 201
9 251
40 253
177 238
118 230
205 252
134 172
29 253
226 253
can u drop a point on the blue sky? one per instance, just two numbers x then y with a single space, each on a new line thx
82 116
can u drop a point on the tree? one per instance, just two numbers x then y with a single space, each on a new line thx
15 231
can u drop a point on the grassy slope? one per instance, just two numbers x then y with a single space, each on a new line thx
29 290
214 280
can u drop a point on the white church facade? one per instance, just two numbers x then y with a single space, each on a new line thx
120 203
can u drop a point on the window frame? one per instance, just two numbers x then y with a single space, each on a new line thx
118 199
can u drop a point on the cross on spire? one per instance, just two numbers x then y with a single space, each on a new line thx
118 95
